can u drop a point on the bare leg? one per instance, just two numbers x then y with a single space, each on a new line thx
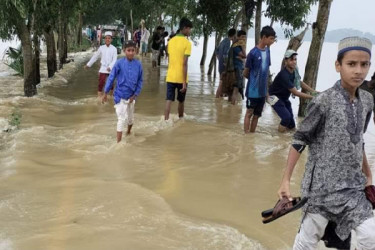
180 109
167 109
100 94
234 95
282 129
254 123
219 89
119 136
246 123
129 129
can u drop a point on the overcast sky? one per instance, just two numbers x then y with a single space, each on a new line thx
355 14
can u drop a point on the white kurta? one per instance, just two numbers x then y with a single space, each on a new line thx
145 35
108 58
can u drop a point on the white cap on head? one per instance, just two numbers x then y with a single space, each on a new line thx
289 53
355 43
108 33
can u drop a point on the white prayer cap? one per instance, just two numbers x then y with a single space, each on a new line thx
108 33
355 43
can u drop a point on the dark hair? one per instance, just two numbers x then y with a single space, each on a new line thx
159 28
340 57
231 32
185 23
128 44
241 33
165 34
267 31
372 82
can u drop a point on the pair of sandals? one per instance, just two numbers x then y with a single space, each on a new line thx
283 207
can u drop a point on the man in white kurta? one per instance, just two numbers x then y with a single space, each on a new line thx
108 58
145 35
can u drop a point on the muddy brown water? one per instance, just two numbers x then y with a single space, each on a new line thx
196 183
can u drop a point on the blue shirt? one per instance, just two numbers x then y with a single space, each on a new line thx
284 81
223 48
222 53
129 76
237 62
258 66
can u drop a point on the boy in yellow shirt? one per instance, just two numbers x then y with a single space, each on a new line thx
179 50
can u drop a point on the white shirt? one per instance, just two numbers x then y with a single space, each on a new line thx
108 55
145 35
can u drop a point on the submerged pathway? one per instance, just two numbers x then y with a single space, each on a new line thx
197 183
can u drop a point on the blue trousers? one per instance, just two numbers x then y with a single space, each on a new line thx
284 109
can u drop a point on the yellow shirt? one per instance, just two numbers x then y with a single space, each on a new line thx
178 47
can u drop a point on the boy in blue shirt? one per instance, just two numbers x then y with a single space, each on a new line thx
129 74
222 56
256 71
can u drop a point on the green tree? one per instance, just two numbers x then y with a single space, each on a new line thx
291 12
211 16
17 19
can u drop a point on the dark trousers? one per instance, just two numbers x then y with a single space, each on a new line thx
284 109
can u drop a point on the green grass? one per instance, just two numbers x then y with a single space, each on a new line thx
15 118
86 44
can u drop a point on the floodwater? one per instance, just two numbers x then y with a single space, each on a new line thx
195 183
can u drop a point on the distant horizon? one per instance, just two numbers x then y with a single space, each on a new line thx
334 35
344 14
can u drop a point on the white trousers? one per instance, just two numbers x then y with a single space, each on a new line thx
312 230
125 112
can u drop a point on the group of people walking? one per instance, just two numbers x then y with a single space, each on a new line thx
141 37
129 73
337 170
231 54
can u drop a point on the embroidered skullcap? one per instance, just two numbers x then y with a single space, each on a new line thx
355 43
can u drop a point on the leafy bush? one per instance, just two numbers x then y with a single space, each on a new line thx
13 58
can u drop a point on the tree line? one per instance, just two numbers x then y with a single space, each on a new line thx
33 20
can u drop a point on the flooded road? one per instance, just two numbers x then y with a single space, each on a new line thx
196 183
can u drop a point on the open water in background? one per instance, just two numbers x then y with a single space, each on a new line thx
197 183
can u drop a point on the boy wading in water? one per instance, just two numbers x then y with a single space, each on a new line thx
108 57
179 50
129 74
257 64
239 54
222 56
337 170
282 87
